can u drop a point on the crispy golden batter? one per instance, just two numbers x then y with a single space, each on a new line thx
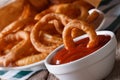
18 50
36 28
84 26
10 13
31 59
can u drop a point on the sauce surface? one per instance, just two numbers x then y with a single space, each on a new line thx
65 56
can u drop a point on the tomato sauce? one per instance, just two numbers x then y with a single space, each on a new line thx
65 56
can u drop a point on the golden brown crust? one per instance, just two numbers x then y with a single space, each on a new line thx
42 27
17 51
68 40
31 59
6 13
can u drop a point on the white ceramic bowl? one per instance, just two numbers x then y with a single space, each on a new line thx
94 66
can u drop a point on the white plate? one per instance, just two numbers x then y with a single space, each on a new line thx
37 65
40 64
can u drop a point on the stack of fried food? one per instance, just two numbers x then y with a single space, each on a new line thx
38 30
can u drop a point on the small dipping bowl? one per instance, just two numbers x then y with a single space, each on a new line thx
94 66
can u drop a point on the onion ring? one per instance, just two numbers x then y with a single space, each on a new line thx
18 24
58 25
77 32
68 9
83 9
34 36
13 26
67 39
92 17
95 18
58 20
17 51
26 12
90 20
51 9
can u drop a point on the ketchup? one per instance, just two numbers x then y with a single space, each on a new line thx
65 56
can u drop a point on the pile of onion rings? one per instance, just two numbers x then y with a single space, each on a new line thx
34 35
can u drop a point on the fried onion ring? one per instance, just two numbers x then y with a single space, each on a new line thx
18 24
51 9
13 26
92 17
72 10
58 20
68 10
34 36
17 51
67 39
26 12
83 9
95 18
